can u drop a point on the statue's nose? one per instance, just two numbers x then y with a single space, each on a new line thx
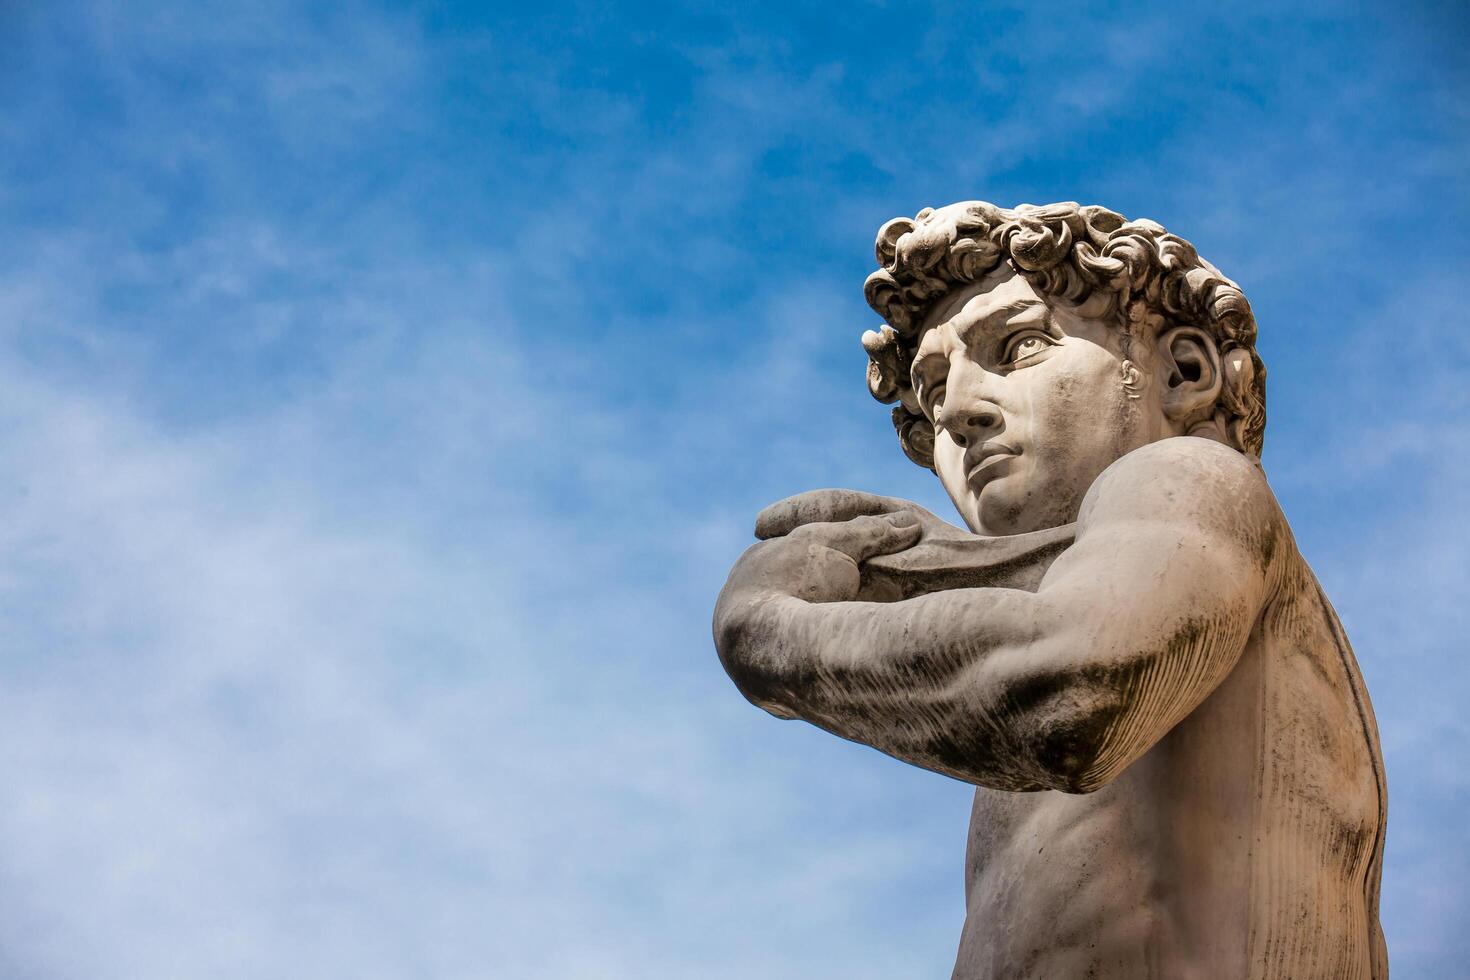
968 414
974 422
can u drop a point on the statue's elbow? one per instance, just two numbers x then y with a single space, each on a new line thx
1076 752
731 644
1088 779
735 635
746 645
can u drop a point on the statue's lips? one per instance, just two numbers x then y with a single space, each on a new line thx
986 458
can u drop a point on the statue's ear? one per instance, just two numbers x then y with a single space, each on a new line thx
1189 376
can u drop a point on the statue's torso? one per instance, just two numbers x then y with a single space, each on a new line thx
1246 843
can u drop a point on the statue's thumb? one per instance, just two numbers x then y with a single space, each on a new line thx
865 537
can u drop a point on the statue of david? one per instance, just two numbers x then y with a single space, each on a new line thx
1176 765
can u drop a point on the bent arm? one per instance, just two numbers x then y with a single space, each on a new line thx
1061 688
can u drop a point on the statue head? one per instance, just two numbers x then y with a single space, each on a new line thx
1029 348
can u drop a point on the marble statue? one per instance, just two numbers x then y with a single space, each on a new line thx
1177 768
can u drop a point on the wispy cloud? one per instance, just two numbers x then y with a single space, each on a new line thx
264 719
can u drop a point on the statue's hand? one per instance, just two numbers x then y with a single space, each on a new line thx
944 556
818 562
831 506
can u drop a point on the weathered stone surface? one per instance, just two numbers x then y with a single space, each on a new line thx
1177 767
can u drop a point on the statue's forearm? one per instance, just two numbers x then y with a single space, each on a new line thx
999 687
1059 685
931 680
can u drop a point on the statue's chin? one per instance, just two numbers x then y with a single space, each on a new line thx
1001 509
1003 504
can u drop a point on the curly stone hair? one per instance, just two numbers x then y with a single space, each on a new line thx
1132 273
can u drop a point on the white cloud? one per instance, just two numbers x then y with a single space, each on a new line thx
262 719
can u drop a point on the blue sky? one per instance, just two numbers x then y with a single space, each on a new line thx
385 391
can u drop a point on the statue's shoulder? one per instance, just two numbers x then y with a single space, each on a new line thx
1187 460
1187 478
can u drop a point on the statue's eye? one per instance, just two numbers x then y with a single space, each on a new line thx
1025 345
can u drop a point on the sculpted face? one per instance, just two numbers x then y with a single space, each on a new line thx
1029 404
